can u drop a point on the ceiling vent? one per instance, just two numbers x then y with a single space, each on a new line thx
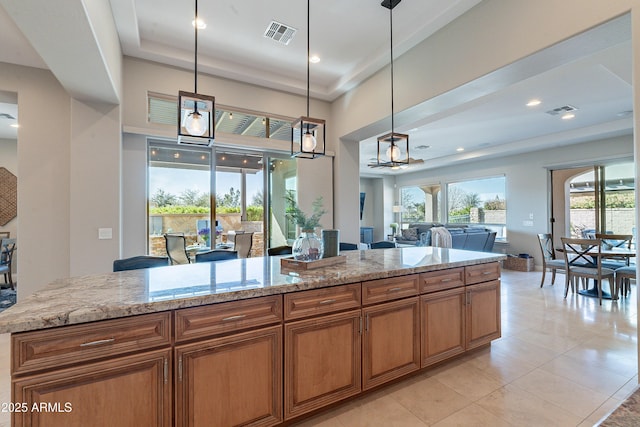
6 116
280 32
561 110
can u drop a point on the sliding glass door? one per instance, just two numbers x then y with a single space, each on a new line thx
179 182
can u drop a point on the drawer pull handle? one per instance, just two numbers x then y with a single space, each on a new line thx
97 342
395 289
446 280
238 317
327 301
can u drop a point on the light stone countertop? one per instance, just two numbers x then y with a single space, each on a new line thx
112 295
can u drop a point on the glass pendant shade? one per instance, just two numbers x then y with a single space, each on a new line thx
308 138
393 150
195 115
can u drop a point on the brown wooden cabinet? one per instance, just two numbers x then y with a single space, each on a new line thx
322 361
127 391
391 342
442 325
232 380
482 313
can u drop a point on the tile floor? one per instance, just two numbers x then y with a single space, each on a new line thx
559 363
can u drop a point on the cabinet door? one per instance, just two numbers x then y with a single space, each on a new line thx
127 391
322 361
443 327
230 381
483 313
391 343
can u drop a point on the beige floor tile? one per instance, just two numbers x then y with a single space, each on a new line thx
429 400
598 379
524 351
570 396
501 367
472 416
602 412
380 412
627 389
469 381
522 408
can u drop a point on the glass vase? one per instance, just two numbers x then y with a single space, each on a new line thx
307 247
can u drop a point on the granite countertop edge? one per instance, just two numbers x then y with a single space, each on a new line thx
25 316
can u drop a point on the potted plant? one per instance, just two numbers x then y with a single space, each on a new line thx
308 246
394 228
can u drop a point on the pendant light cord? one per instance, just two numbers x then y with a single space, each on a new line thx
308 53
195 59
391 31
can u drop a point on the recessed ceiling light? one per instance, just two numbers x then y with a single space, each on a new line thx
314 59
459 149
534 102
568 116
421 147
14 125
201 24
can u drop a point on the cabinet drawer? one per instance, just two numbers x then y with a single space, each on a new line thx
482 273
321 301
216 319
55 348
376 291
440 280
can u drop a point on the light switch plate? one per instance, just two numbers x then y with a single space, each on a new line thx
105 233
527 223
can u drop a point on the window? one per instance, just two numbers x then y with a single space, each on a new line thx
162 110
419 204
478 202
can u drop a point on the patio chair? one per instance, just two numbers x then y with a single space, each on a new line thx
583 260
242 244
139 262
216 255
176 248
7 247
549 260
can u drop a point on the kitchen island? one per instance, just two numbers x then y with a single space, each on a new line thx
243 342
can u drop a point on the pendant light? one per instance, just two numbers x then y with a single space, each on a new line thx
393 148
195 111
307 133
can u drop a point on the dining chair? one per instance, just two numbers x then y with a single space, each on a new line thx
242 244
216 255
549 259
139 262
348 246
7 248
176 248
382 244
624 276
280 250
616 241
583 260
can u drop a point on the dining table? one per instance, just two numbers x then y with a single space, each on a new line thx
605 252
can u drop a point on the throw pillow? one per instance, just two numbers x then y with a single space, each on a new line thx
410 234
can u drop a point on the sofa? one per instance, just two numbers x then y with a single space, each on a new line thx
464 237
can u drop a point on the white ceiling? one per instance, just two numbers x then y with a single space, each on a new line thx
352 39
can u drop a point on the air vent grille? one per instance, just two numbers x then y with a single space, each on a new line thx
562 110
6 116
280 32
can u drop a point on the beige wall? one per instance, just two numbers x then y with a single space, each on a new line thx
43 168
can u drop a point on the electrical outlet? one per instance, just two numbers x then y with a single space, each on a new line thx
527 223
105 233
